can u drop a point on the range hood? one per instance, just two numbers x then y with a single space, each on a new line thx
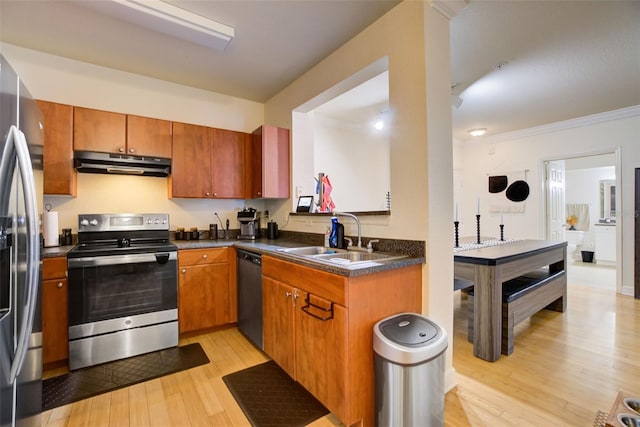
120 164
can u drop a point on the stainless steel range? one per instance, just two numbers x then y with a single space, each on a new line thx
122 288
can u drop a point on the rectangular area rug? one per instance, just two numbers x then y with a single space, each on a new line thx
269 397
94 380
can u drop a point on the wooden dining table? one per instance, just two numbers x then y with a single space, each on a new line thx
488 267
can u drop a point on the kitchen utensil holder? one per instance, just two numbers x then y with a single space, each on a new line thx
309 305
502 232
478 228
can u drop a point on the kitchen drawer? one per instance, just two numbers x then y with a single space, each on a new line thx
326 285
202 256
54 268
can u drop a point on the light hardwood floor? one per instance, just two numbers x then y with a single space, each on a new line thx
565 367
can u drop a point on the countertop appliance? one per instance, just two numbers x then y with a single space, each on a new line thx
21 147
249 220
123 287
250 296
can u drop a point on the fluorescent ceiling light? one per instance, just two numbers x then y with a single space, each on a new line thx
162 17
477 132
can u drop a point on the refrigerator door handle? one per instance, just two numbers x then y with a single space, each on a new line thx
19 142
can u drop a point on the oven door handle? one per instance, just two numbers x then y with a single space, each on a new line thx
97 261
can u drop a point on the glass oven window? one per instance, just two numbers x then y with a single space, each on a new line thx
112 291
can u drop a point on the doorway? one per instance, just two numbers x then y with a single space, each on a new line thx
580 209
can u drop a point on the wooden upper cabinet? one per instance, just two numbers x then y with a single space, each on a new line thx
149 137
190 161
107 132
207 162
60 178
228 163
96 130
268 174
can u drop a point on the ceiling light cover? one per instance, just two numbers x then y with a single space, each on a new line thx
477 132
162 17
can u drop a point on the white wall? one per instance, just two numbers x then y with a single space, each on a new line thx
617 131
65 81
357 163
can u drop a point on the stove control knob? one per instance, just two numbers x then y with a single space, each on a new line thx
157 221
84 222
93 222
149 221
164 221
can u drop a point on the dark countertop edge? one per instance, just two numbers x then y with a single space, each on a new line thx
271 248
507 258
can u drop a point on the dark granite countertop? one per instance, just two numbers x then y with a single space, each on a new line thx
273 248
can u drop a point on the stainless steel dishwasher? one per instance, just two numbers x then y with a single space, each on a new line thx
250 296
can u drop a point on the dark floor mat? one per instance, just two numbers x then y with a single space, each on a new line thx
271 398
88 382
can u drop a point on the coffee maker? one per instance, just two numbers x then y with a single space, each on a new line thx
249 220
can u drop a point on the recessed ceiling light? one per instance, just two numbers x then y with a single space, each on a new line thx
477 132
379 125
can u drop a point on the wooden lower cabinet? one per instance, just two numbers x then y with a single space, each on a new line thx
318 327
55 324
205 295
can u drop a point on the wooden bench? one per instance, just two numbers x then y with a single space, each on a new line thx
524 296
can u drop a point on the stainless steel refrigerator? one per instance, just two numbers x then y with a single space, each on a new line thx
21 147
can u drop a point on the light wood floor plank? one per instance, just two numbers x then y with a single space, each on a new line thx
565 367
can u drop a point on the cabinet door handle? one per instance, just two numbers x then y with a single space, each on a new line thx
131 150
207 194
215 194
184 270
287 294
59 284
121 149
205 256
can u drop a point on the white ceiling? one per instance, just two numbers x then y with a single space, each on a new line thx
563 59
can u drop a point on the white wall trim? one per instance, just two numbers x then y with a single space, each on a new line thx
592 119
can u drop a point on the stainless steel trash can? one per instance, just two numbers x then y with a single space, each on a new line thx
409 353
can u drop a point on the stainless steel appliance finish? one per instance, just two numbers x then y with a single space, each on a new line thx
122 288
120 164
250 296
249 220
21 146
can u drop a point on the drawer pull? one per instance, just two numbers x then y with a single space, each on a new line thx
205 256
327 313
59 284
183 271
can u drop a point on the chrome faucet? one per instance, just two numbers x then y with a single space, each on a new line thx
359 247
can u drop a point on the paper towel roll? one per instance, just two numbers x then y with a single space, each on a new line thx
50 228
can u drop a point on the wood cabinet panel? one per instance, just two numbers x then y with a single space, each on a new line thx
55 324
148 137
203 297
203 256
278 325
191 161
206 289
228 163
60 177
54 268
320 349
269 173
96 130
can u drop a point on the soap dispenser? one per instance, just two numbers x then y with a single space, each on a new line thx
333 237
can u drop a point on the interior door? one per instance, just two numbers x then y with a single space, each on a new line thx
555 192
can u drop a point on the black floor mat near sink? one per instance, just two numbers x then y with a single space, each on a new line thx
94 380
269 397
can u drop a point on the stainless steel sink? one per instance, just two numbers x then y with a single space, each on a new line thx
360 256
310 250
342 257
